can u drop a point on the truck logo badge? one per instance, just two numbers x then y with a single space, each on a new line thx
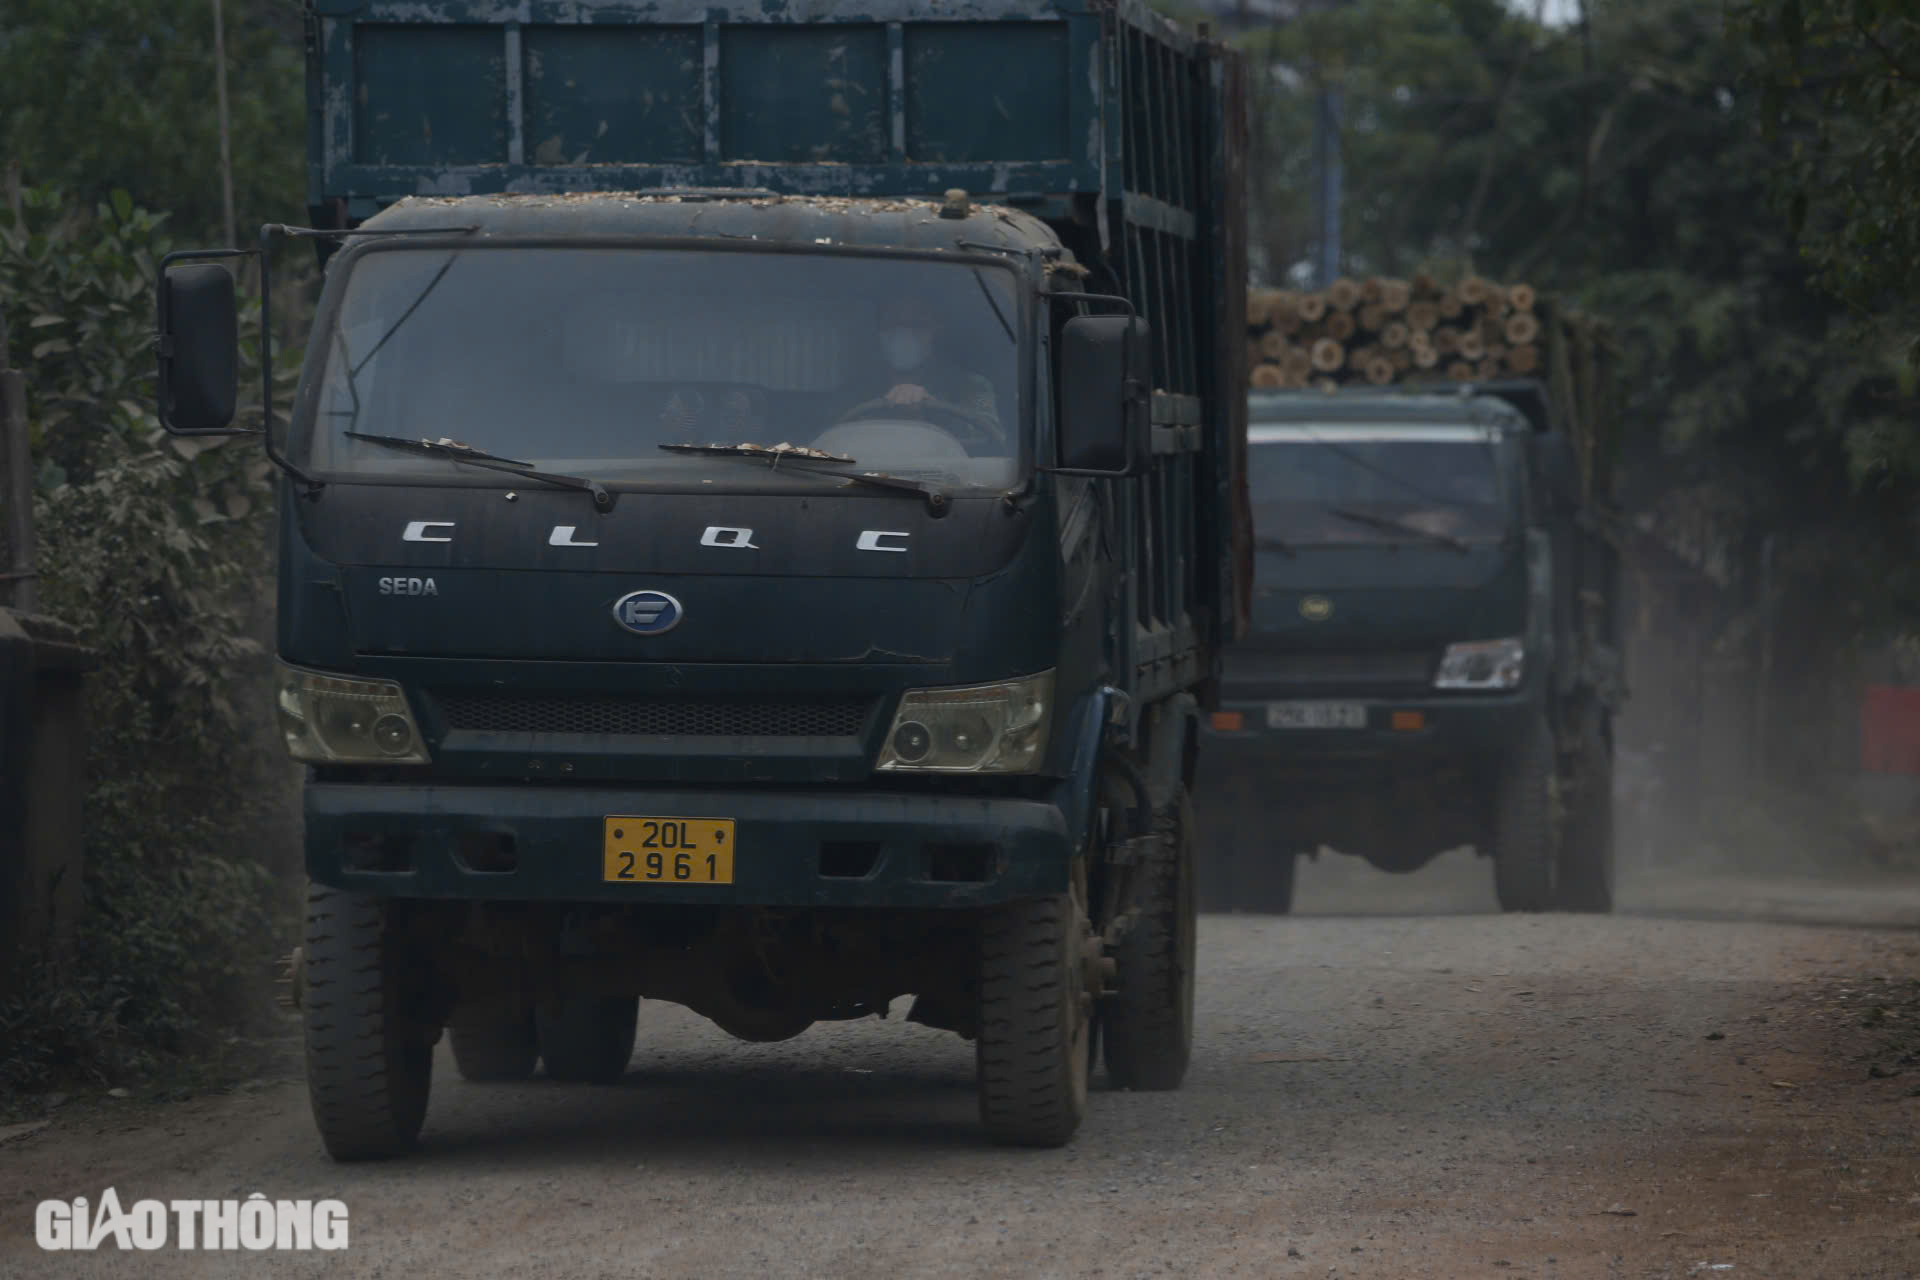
1316 608
647 613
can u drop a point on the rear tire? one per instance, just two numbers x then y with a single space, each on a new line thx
587 1039
369 1065
1587 852
1147 1025
1035 1025
1271 878
1524 848
495 1049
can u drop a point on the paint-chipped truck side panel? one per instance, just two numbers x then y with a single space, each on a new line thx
886 98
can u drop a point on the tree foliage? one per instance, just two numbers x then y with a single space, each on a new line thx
155 548
1840 91
103 94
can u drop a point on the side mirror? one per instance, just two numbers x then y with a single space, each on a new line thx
199 349
1105 365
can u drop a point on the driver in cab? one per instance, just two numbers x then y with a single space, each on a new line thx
917 380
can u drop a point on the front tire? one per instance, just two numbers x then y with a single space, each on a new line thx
369 1064
1035 1023
1147 1025
587 1039
1525 853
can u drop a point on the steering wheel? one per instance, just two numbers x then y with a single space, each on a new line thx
974 425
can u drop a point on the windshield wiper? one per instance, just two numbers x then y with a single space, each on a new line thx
936 497
444 448
1389 524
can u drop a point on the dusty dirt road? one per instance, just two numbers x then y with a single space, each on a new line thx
1446 1094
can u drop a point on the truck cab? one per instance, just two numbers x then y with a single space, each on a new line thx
1423 670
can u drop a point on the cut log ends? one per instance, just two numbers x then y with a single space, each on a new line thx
1379 329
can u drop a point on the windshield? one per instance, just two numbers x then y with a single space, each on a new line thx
589 360
1327 483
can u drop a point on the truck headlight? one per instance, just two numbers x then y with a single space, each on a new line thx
335 720
1482 664
981 728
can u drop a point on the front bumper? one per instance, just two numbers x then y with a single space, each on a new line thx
814 848
1461 725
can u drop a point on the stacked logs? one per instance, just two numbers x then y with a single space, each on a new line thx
1387 330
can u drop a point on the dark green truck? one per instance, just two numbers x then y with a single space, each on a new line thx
1434 658
759 526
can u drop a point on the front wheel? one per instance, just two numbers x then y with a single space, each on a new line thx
369 1062
1525 856
1147 1025
587 1039
1035 1021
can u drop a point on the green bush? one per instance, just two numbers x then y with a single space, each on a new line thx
158 549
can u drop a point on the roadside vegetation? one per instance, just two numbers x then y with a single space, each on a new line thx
157 550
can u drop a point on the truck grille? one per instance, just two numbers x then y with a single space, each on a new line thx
1251 672
491 712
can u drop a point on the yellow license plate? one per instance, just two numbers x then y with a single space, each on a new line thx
669 851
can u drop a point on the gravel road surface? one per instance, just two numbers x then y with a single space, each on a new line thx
1396 1082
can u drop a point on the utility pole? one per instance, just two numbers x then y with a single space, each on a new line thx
1327 161
226 145
16 487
